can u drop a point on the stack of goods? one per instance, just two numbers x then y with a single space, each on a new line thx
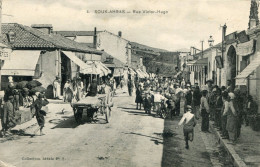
32 86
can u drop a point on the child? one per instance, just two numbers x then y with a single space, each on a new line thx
189 122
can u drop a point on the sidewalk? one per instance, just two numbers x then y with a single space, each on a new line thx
247 150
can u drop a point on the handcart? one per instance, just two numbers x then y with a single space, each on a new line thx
91 105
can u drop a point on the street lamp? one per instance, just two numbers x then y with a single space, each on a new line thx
211 41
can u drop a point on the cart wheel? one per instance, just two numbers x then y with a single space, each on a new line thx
77 115
164 112
108 114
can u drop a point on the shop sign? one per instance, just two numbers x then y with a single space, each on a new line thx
247 48
219 62
5 54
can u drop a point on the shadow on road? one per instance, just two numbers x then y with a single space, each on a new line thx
171 153
70 122
133 111
156 140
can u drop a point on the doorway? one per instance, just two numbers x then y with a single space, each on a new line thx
65 70
232 65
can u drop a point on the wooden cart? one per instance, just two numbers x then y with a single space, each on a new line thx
91 105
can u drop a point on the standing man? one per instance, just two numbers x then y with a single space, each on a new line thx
130 85
189 122
56 88
196 101
218 108
8 115
224 132
204 107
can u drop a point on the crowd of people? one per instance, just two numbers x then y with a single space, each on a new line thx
227 107
15 100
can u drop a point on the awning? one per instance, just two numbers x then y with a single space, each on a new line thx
83 66
104 68
176 75
95 69
131 71
146 74
21 63
241 79
140 73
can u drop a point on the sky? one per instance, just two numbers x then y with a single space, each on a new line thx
186 23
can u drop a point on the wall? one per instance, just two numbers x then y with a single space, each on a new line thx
91 57
47 63
114 45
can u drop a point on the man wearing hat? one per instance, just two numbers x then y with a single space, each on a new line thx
8 116
189 122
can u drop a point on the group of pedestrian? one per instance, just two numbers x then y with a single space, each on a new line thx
226 107
32 100
155 93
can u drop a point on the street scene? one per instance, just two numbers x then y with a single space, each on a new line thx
111 83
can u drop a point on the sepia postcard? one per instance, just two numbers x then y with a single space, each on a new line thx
130 83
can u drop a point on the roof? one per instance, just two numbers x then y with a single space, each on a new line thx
218 46
115 62
82 44
203 61
30 38
41 26
76 33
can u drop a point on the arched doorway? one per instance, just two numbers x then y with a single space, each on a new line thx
231 65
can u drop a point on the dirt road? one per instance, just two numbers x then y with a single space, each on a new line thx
131 139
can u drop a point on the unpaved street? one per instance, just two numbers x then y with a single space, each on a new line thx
132 138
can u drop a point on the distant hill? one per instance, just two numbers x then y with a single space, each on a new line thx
182 50
147 48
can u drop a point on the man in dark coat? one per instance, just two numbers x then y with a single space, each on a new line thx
93 88
130 86
8 116
196 101
39 113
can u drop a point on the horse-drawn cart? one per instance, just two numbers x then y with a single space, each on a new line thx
91 105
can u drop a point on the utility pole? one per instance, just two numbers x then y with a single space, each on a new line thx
202 48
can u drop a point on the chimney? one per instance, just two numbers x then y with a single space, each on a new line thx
45 28
95 38
119 33
253 16
252 23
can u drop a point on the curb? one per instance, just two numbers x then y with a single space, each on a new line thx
237 161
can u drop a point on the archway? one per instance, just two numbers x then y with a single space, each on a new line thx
231 65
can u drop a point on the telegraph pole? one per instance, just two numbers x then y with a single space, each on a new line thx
202 48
